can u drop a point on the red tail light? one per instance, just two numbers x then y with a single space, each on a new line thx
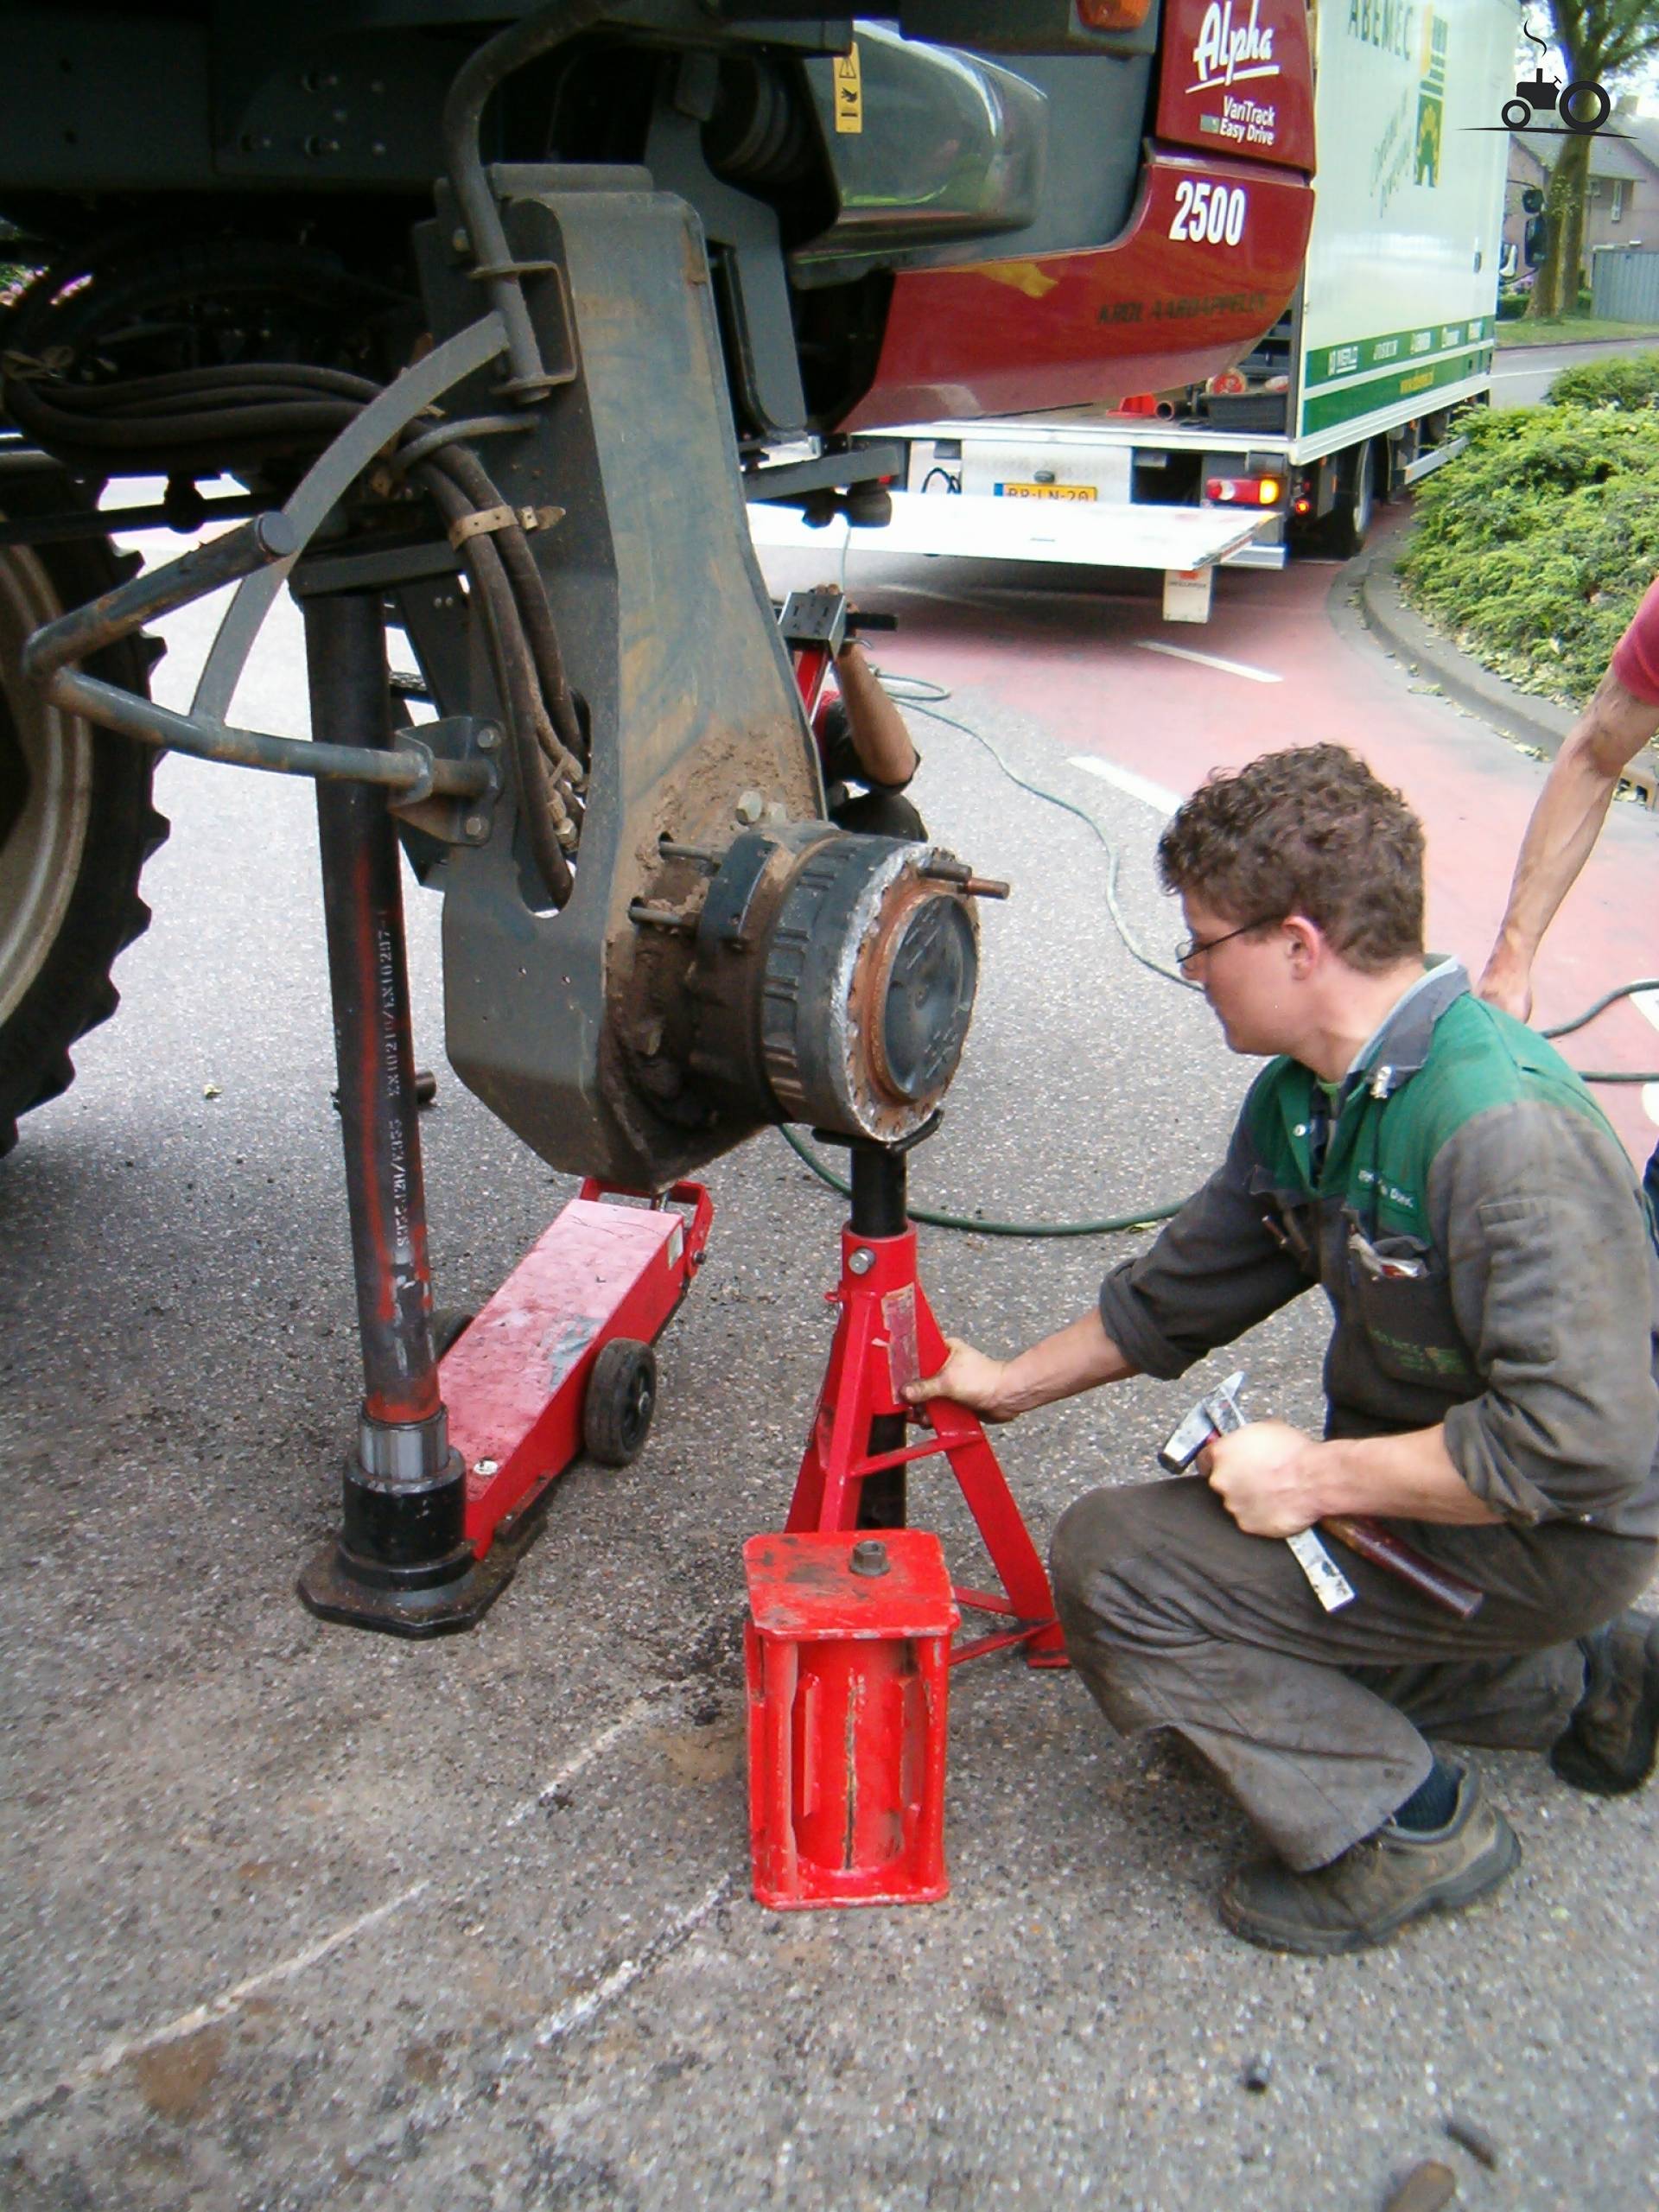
1244 491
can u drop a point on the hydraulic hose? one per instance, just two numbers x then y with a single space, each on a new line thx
474 481
514 677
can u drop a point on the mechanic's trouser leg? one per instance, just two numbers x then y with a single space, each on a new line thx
1176 1619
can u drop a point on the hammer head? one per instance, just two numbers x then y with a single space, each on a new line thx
1215 1415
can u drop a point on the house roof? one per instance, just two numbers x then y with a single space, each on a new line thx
1634 155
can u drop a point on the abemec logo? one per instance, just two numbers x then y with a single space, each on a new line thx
1582 106
1229 52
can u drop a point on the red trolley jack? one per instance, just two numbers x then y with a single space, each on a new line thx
853 1473
558 1363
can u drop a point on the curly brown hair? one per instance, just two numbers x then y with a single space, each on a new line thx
1308 831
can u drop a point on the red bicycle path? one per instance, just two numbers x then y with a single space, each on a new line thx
1067 651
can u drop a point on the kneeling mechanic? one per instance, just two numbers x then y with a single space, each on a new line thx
1491 1385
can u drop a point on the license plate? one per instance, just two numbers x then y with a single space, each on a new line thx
1045 492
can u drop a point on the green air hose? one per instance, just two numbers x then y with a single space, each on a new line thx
918 692
1145 1219
1579 1020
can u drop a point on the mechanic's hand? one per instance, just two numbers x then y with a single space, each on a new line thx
1263 1475
968 1378
1506 983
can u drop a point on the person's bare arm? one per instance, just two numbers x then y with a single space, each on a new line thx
1276 1480
874 724
1565 824
1078 1357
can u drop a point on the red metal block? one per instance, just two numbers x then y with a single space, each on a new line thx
848 1684
515 1381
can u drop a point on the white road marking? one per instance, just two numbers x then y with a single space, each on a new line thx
581 2009
115 2054
1211 660
1125 779
647 1703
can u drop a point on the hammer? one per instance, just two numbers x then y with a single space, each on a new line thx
1218 1414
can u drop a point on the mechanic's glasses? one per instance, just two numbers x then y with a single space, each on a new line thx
1190 948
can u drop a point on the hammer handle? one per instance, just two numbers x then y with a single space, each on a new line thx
1379 1544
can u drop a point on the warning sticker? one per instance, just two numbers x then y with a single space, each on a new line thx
849 92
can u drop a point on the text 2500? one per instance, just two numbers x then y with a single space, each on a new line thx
1209 214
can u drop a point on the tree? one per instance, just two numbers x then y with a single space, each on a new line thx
1599 41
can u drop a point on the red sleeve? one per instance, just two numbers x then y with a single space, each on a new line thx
1636 657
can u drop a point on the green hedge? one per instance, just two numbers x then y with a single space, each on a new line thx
1628 381
1533 548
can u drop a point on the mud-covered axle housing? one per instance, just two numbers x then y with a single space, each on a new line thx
831 981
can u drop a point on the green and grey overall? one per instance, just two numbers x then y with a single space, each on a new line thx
1484 1244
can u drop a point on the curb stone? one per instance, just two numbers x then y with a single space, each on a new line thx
1576 344
1539 724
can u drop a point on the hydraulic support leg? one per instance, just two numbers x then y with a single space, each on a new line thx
854 1470
400 1562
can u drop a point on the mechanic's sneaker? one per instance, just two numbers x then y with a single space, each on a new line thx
1378 1884
1607 1747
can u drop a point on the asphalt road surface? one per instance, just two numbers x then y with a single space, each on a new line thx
292 1916
1522 374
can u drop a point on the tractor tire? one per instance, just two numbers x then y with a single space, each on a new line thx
621 1400
76 822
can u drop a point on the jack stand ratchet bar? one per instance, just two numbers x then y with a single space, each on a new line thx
879 1175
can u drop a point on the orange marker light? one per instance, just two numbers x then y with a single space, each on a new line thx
1113 14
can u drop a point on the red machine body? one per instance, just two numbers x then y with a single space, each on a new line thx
1208 260
848 1684
516 1380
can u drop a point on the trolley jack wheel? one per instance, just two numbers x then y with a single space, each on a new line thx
449 1324
621 1400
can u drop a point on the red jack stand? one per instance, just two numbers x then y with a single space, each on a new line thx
853 1473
